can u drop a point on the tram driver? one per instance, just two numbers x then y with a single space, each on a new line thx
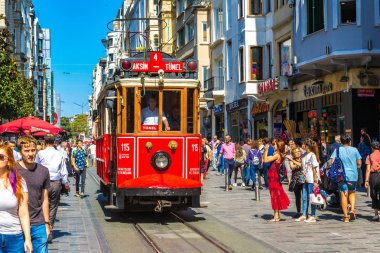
149 114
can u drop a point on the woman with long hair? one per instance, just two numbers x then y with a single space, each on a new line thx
14 214
240 158
310 167
279 199
298 176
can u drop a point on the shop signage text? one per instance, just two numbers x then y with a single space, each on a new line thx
366 93
317 88
259 108
236 105
267 86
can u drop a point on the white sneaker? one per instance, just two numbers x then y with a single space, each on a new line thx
311 220
243 185
234 184
301 218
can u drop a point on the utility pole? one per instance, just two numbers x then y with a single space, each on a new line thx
52 99
44 97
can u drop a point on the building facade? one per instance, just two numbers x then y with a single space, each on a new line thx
336 89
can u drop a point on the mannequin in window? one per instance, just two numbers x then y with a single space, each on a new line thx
149 115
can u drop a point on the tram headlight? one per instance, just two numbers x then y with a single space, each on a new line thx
161 161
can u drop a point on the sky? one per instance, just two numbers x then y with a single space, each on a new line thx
77 28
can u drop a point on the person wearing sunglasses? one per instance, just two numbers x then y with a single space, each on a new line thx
37 179
14 214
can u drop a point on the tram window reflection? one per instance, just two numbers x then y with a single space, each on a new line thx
130 110
190 110
172 105
149 113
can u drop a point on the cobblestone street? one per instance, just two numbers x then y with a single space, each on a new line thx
239 209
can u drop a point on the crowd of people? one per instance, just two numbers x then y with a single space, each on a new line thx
316 175
33 175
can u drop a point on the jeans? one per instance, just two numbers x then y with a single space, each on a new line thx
307 189
265 168
251 172
11 243
214 158
80 180
39 238
229 165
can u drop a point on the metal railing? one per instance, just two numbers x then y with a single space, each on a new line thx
214 83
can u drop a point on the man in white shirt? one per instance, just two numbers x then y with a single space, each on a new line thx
55 162
16 154
92 149
149 115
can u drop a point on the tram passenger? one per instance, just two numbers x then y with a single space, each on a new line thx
149 114
175 118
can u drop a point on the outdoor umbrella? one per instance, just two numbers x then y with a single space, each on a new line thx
29 125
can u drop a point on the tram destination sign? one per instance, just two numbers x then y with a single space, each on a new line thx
156 63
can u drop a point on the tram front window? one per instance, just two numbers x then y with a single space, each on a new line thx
172 105
149 113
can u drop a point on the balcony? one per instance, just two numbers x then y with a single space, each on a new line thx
214 87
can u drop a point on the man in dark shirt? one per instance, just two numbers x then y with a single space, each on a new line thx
37 179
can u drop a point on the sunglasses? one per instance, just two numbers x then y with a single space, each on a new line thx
2 157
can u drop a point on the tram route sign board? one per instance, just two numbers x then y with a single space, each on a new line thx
156 63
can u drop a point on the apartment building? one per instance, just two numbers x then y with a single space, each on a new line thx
32 51
336 88
193 42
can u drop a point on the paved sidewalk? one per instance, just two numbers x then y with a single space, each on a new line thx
76 228
239 209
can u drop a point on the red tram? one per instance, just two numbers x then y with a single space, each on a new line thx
149 142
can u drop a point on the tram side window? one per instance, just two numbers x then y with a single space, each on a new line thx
149 112
190 110
130 110
172 108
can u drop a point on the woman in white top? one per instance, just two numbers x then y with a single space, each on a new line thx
310 167
14 214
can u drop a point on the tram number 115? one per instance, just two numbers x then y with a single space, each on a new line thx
125 147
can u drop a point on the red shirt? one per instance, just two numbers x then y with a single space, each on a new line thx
374 160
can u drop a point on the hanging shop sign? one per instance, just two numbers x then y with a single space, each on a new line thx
218 109
236 105
368 78
268 86
312 114
317 88
259 108
366 93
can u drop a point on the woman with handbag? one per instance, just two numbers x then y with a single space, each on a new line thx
297 179
310 167
372 178
279 199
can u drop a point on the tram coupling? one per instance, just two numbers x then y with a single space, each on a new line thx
161 205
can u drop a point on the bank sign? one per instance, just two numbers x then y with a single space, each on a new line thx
317 88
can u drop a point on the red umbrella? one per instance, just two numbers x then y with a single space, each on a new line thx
29 125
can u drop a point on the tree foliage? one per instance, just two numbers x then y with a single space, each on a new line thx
66 125
80 124
16 91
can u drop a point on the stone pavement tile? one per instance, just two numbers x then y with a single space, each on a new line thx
74 230
239 209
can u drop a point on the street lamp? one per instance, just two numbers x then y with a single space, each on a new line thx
81 106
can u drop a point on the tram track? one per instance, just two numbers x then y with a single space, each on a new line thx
153 230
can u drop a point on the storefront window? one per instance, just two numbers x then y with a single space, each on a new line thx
279 115
261 128
239 125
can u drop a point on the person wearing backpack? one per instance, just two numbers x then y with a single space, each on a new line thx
372 178
254 160
351 161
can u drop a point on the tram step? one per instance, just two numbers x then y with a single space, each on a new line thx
112 208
